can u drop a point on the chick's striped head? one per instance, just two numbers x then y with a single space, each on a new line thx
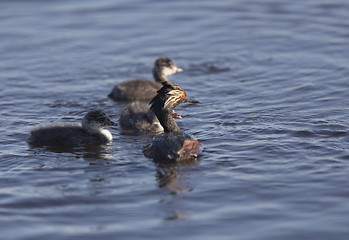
170 96
174 97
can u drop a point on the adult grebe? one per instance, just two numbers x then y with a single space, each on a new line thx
145 90
89 132
173 145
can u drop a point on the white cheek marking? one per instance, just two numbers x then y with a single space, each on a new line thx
169 71
107 134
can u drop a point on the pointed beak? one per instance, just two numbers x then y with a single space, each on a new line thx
191 100
179 69
176 115
111 123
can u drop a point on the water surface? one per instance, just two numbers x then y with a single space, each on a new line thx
272 79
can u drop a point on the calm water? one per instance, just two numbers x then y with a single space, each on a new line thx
272 78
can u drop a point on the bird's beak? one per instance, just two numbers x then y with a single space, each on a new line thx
176 115
191 100
179 69
111 123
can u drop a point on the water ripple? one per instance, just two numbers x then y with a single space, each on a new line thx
271 77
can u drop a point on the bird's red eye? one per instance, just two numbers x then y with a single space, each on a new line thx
183 95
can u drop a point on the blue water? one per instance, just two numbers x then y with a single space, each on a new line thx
272 79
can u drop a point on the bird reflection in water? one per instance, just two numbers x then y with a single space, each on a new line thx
174 178
97 152
90 153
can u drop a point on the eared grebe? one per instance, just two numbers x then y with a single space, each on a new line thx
145 90
69 134
173 145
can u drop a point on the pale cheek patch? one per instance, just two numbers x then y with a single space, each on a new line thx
107 134
169 71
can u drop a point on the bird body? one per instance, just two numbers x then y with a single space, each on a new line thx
90 131
67 135
139 118
135 90
145 90
173 144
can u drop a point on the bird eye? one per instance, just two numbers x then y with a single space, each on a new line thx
183 95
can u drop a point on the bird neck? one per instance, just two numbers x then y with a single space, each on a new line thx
166 120
159 76
91 129
151 116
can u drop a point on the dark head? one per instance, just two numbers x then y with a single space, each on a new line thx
169 97
164 67
96 119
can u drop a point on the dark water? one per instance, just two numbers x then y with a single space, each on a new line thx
272 78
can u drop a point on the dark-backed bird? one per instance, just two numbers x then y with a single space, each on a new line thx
173 144
90 131
145 90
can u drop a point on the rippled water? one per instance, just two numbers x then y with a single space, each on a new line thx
272 78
